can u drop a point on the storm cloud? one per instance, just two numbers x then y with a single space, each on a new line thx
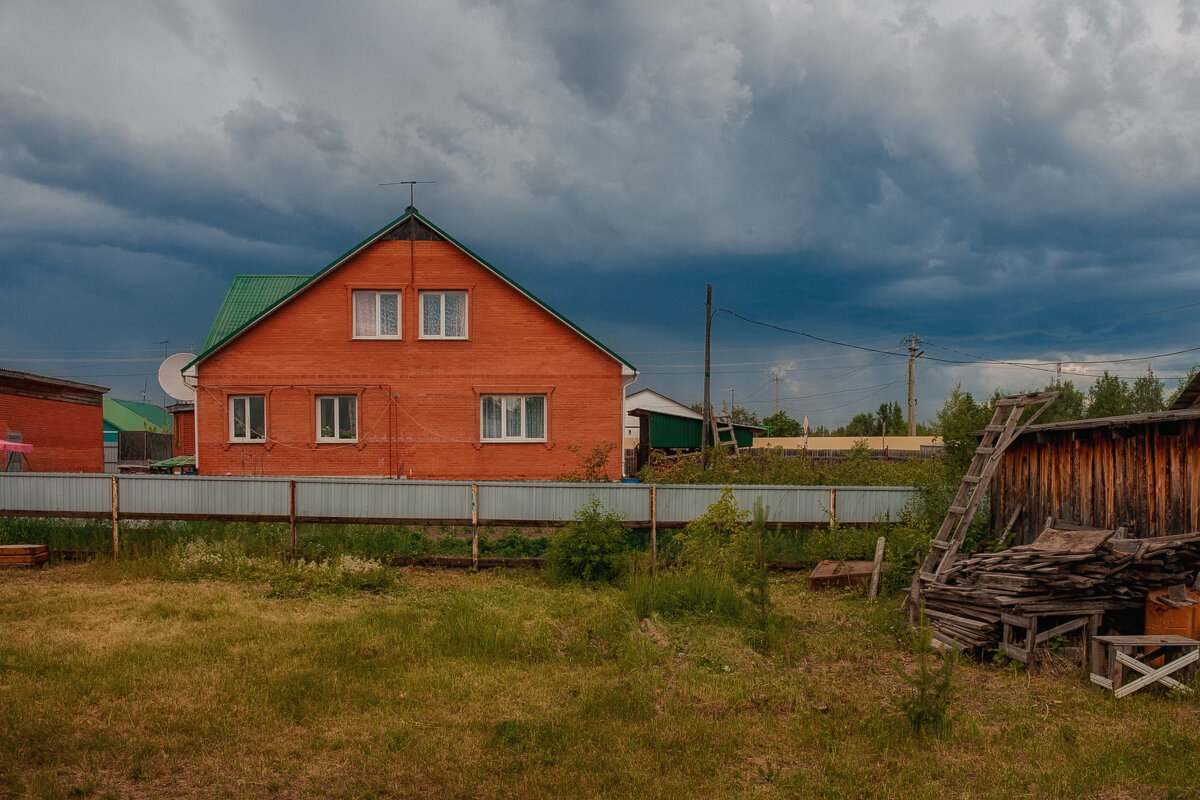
978 173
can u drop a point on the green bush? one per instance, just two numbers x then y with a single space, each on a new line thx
590 548
712 541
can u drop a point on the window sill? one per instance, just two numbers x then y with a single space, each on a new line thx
246 443
513 441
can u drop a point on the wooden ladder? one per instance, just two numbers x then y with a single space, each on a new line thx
1005 427
719 424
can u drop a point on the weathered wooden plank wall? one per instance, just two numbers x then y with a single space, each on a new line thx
1146 477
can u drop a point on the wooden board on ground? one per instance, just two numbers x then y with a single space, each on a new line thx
24 555
1057 540
840 573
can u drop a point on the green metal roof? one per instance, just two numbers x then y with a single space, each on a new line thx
177 461
247 298
127 415
262 294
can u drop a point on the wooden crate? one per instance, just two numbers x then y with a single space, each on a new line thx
23 555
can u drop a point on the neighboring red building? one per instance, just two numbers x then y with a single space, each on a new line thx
184 417
63 420
407 356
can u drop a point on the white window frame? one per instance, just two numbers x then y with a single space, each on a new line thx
504 401
441 295
378 306
334 438
245 399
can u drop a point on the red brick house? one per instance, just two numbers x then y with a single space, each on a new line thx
62 419
407 356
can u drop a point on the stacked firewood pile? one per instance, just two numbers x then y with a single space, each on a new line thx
1072 572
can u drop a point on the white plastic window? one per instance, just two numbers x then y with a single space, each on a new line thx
337 418
513 418
443 315
376 315
247 418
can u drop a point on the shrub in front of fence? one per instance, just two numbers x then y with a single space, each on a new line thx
713 541
592 547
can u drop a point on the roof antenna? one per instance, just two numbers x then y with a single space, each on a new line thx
410 185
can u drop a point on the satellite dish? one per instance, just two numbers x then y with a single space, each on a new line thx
170 377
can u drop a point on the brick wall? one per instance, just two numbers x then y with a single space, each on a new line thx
418 400
185 432
66 436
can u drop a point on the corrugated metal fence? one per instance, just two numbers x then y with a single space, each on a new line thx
422 502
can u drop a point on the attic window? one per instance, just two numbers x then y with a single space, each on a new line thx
376 315
443 315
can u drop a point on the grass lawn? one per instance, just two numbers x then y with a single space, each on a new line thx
115 683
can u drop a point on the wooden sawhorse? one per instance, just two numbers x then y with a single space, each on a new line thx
1024 648
1112 654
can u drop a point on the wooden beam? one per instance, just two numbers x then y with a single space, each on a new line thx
876 568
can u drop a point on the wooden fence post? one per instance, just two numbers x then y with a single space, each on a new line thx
654 527
832 507
475 527
115 517
876 569
292 516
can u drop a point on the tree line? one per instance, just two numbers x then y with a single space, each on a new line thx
961 413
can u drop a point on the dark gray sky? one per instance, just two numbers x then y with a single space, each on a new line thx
1009 181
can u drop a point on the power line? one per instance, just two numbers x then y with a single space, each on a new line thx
800 333
1036 365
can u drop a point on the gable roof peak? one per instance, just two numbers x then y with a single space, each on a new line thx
410 226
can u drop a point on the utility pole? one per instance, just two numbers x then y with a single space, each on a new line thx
704 431
913 355
776 379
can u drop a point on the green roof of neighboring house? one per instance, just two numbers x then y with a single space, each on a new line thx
126 415
248 297
176 461
252 297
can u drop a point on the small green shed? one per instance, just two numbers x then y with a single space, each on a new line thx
675 433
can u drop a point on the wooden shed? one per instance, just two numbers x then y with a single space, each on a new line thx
1139 470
